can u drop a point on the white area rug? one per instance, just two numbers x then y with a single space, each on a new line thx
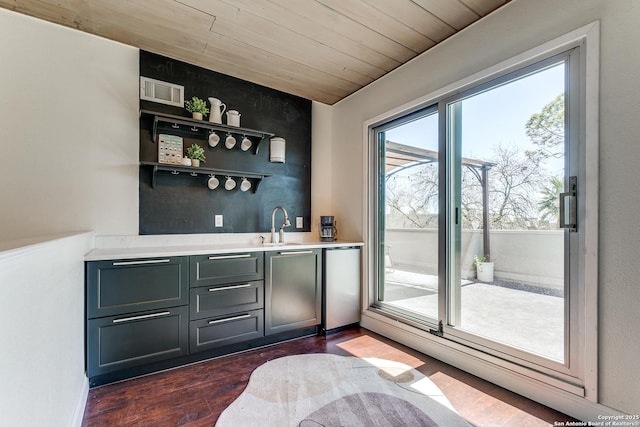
329 390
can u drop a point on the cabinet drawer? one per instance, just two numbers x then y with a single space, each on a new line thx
210 301
120 342
211 333
226 268
117 287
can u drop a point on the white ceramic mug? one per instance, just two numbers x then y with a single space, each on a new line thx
230 183
230 142
245 144
214 139
233 118
213 183
245 185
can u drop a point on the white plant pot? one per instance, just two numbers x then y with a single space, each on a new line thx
485 271
195 162
197 116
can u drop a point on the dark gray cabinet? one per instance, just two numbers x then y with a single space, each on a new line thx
209 301
137 312
226 268
227 299
293 290
126 341
216 332
149 314
127 286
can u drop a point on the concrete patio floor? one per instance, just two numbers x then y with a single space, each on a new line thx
524 319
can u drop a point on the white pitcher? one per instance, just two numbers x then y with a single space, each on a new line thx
217 108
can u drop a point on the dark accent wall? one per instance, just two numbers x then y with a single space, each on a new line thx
182 204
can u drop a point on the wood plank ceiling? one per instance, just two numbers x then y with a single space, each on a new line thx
322 50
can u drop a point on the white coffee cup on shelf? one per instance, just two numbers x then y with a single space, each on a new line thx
213 182
230 142
245 185
214 139
245 144
230 184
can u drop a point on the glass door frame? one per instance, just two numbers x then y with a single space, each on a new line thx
377 135
585 382
450 238
573 365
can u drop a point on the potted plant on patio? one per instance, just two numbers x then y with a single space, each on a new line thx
484 268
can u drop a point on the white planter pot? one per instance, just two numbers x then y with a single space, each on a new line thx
485 271
195 162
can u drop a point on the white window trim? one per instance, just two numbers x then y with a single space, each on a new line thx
580 402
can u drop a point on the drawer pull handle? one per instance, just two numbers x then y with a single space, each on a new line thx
296 253
144 316
229 319
150 261
226 288
229 256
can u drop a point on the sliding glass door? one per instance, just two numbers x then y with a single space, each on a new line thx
408 219
477 215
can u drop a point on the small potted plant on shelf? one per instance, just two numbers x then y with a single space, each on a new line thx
484 268
196 154
197 107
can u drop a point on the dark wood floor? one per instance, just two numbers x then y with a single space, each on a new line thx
195 395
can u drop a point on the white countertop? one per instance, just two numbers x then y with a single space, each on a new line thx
102 254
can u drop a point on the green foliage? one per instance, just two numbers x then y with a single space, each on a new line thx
546 130
196 152
549 204
196 105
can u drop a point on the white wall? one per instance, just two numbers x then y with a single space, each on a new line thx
519 26
533 257
42 330
68 115
321 173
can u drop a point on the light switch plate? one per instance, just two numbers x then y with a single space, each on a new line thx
299 222
218 220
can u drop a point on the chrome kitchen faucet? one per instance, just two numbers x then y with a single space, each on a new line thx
273 227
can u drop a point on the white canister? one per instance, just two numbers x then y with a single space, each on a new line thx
233 118
277 150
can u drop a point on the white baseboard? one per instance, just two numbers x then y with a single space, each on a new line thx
81 403
560 400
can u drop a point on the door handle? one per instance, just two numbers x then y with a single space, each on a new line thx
295 253
569 206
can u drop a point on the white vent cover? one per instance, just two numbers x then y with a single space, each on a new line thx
161 92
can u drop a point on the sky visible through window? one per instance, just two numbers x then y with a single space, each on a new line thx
493 117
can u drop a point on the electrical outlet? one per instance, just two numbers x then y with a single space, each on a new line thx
218 220
299 222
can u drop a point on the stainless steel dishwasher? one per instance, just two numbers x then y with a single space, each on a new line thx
341 287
